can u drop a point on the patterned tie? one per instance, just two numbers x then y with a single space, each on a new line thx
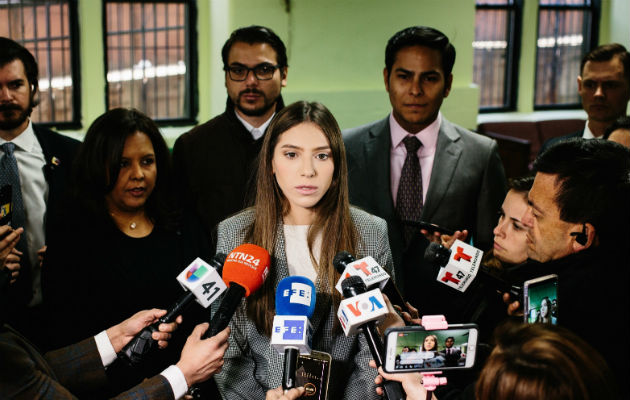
9 175
409 196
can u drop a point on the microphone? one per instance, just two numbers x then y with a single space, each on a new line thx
370 272
360 310
459 268
292 333
202 282
244 272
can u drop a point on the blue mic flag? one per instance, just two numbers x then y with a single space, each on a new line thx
295 295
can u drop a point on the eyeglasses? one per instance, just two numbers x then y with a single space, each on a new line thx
262 72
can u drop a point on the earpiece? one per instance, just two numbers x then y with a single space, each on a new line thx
581 237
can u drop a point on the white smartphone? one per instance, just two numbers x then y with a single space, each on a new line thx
540 299
412 348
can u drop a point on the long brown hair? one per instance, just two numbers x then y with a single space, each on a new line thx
332 219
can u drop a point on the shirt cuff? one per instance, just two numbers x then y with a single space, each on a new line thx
105 348
176 378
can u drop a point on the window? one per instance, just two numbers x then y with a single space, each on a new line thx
497 39
567 30
46 29
149 62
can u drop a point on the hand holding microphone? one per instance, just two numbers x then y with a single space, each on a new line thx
359 311
292 333
203 283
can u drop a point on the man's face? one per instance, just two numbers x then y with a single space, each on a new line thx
253 97
15 96
548 237
417 86
604 90
448 343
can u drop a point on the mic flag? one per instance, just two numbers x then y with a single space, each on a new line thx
462 266
295 304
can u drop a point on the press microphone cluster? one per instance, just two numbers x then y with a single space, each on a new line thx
461 266
292 333
360 310
372 274
202 282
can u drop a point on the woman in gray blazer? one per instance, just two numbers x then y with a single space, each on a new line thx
302 217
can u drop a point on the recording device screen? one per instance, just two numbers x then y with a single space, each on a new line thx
416 349
541 300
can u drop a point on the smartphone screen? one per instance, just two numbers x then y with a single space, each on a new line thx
415 349
5 205
313 373
540 299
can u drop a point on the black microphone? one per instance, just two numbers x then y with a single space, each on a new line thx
438 255
198 277
343 259
354 286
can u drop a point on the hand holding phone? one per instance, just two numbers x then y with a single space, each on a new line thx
413 348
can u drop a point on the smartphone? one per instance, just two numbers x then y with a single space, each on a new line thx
313 372
413 348
5 205
431 227
540 299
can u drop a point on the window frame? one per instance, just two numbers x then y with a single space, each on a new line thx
510 87
191 52
593 38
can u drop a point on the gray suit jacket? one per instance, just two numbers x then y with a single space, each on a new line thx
466 189
252 366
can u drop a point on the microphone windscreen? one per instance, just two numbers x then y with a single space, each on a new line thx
353 285
295 295
341 261
248 266
437 254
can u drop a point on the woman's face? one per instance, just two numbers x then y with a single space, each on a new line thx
303 166
510 235
429 343
544 308
137 176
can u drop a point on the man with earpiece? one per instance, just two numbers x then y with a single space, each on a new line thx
577 227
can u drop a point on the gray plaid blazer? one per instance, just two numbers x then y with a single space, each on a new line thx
252 366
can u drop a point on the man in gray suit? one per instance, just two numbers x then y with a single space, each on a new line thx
458 176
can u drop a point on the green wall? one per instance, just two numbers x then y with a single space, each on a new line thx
336 52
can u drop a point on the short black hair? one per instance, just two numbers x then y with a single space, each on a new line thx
256 34
521 184
10 50
97 163
594 184
606 52
620 123
421 36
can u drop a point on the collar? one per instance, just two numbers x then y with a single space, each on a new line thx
428 136
588 134
250 128
25 140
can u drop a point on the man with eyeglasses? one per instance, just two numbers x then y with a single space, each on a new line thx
215 162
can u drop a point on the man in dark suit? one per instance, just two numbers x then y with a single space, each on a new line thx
43 159
459 182
451 354
604 86
215 161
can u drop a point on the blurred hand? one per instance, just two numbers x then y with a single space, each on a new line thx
10 238
12 263
514 308
201 359
278 394
411 383
392 319
40 255
448 240
119 335
411 315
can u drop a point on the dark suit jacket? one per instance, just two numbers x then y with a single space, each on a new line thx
552 141
466 189
214 164
59 152
72 371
